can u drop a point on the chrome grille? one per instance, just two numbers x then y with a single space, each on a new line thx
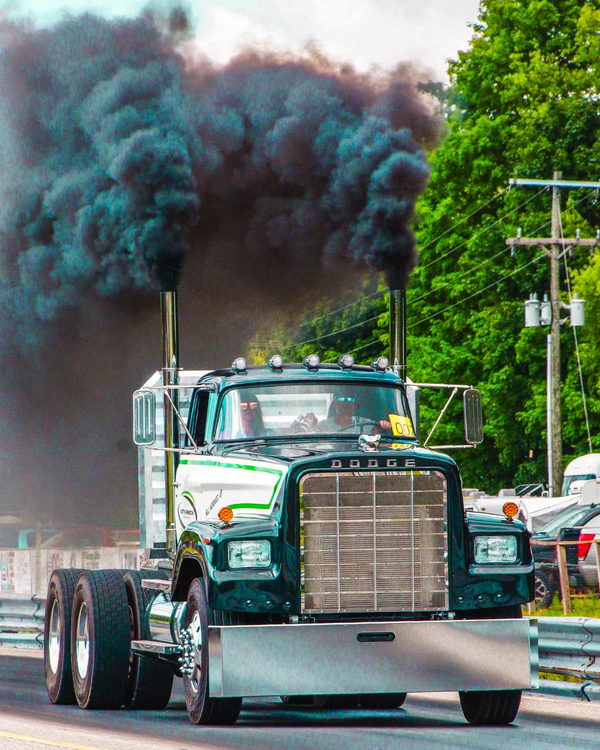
373 541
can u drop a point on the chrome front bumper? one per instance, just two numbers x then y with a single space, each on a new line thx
368 657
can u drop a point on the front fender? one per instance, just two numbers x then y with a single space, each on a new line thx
492 585
202 552
194 560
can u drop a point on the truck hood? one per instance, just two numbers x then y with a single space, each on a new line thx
301 450
251 478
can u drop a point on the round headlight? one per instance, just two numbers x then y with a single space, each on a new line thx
312 361
381 363
276 362
239 364
346 361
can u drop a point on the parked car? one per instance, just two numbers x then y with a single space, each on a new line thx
567 527
586 551
580 470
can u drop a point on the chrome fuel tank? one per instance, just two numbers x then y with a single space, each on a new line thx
165 618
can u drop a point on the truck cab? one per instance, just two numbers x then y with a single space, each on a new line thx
304 493
309 521
303 543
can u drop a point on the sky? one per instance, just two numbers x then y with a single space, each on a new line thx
365 33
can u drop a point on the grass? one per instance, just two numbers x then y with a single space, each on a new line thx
583 606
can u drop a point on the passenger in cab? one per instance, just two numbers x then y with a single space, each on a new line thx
250 417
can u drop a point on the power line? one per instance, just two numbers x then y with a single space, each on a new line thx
442 234
379 292
487 260
466 218
364 346
483 231
456 278
464 299
340 330
574 329
375 317
479 291
376 293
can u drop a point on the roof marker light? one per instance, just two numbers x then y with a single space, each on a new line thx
225 514
346 361
239 364
312 361
510 509
276 362
381 364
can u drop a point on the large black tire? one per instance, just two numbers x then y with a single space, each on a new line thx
491 707
382 701
202 709
494 707
57 636
100 640
150 681
544 589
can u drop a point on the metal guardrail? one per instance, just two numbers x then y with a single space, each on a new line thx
570 646
567 645
21 620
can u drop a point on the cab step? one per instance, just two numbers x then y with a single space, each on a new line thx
156 584
145 648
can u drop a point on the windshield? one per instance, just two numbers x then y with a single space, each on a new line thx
570 517
573 483
312 408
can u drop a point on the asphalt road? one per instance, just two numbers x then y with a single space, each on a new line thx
29 721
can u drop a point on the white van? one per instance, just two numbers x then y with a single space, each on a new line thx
578 471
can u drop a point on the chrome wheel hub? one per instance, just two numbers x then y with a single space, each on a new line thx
82 641
54 637
191 654
540 589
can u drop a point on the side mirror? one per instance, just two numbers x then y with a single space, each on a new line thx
144 417
473 416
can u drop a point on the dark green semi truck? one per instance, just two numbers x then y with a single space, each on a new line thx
313 549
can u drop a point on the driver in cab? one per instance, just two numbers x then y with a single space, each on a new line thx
343 415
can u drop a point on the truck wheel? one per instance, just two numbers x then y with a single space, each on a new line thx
202 709
493 707
544 590
100 639
57 636
382 701
150 681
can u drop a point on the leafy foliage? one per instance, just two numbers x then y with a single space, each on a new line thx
523 102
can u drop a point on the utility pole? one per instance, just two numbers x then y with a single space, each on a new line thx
555 420
554 247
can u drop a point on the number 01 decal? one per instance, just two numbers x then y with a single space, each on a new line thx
401 425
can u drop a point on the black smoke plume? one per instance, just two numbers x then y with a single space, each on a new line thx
128 165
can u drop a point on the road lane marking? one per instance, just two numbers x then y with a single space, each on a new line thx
39 741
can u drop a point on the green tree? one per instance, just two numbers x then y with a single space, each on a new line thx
523 102
528 90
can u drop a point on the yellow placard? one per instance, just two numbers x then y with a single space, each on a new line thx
401 425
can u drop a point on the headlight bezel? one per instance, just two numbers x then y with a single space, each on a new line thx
236 547
486 556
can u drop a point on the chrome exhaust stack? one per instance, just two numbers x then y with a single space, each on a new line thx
170 369
398 332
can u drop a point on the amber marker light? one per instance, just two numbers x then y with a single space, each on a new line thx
510 509
225 514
